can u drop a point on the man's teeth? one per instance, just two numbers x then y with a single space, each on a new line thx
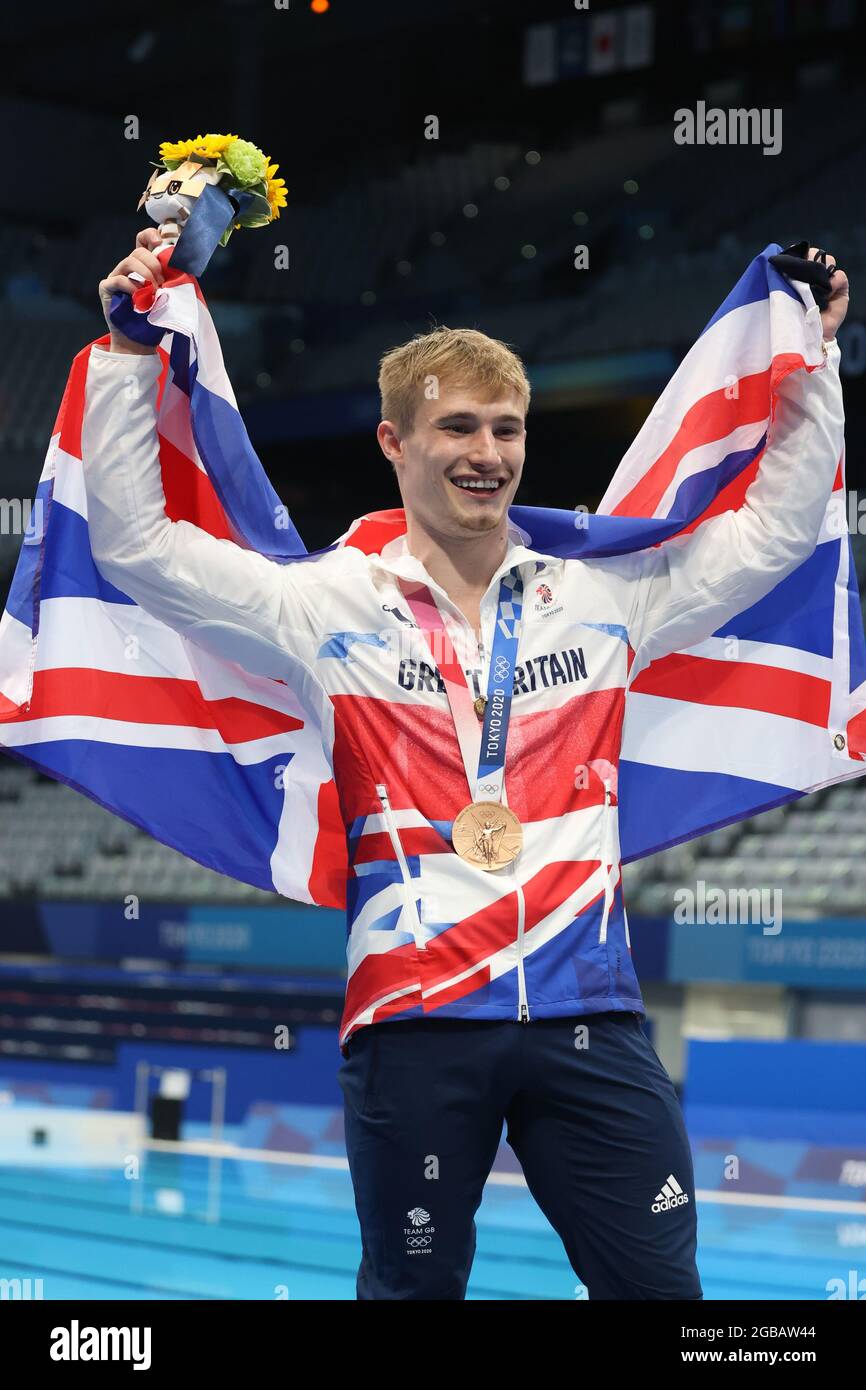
491 484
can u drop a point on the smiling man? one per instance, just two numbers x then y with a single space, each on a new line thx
489 968
457 446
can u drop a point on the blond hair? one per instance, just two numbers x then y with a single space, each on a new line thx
463 356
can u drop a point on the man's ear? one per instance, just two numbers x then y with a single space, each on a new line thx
390 442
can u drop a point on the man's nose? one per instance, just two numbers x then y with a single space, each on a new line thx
483 449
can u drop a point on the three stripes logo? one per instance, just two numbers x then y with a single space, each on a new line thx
671 1195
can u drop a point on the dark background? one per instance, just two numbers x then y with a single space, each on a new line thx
340 101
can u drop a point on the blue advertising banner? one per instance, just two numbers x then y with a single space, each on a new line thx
829 953
309 939
826 954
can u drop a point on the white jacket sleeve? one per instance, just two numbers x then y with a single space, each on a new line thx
229 600
684 590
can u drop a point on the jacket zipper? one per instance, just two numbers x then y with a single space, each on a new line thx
522 1001
606 845
409 901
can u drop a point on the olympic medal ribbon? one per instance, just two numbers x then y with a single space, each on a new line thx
485 832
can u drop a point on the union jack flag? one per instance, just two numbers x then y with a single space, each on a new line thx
190 747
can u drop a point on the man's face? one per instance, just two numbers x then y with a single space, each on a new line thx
458 440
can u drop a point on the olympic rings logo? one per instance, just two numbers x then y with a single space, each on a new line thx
501 668
489 787
416 1241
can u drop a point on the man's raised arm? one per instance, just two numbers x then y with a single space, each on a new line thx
231 600
684 590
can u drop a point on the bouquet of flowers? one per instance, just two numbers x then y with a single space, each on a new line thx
216 183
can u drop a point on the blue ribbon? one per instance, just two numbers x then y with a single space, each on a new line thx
215 209
500 677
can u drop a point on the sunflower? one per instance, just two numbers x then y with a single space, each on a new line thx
276 190
211 146
236 162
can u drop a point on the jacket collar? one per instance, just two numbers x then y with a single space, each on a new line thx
396 559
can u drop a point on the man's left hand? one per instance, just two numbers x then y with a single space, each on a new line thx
837 308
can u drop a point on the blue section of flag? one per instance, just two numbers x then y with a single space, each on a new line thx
856 635
695 494
661 806
247 495
798 613
759 279
171 791
69 571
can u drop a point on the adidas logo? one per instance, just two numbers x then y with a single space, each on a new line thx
671 1195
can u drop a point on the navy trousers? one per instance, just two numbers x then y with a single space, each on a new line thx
591 1114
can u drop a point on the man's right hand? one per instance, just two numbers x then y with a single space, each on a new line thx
144 263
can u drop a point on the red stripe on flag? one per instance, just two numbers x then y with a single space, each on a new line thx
786 362
70 413
713 417
739 685
8 709
189 493
151 700
376 529
857 736
732 495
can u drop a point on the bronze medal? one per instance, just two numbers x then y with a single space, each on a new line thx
487 834
479 705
